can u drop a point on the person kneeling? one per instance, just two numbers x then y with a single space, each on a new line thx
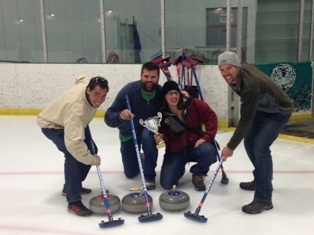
181 129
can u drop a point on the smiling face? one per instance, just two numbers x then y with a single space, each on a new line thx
97 96
230 73
149 80
172 97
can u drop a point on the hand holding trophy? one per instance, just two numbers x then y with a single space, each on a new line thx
152 124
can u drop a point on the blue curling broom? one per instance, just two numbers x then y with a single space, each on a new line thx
150 216
195 216
111 222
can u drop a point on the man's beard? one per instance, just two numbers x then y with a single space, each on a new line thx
148 89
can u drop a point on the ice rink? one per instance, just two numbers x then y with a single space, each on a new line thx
31 179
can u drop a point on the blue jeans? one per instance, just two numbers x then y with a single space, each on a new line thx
265 129
74 171
173 165
146 141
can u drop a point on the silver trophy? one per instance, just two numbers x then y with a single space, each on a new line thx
152 124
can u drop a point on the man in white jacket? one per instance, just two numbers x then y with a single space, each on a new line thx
64 122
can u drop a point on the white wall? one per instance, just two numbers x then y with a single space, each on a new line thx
33 86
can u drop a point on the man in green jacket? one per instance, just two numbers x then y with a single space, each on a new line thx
265 110
64 121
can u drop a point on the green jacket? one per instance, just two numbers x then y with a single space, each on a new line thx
258 92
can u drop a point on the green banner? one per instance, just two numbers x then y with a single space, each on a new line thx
295 79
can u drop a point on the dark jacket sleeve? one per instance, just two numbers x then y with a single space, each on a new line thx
112 115
208 118
249 106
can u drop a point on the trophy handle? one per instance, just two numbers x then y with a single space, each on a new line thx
159 115
142 122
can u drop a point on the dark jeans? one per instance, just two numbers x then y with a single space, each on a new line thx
74 171
265 129
173 165
147 143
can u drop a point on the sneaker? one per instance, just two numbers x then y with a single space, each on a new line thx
150 184
198 182
79 209
257 207
84 191
250 186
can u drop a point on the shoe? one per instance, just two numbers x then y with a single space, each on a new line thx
250 186
150 184
79 209
84 191
198 182
257 207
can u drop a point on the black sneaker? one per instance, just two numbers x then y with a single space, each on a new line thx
198 182
79 209
257 207
84 191
150 184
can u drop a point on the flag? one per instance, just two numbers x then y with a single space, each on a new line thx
137 43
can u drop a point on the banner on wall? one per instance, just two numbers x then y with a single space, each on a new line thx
137 43
295 79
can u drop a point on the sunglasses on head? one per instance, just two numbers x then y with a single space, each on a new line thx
98 79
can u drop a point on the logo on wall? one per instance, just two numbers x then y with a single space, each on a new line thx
284 75
295 79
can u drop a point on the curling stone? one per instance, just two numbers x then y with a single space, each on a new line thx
97 205
135 202
174 200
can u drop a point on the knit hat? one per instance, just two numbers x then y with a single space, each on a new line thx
168 86
229 57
